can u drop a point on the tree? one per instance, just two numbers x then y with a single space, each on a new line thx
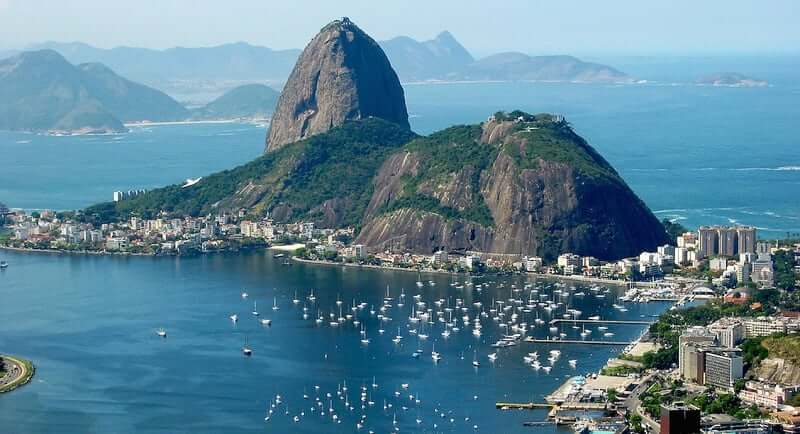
673 229
636 423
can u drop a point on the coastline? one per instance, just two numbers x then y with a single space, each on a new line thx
27 371
201 121
414 270
73 252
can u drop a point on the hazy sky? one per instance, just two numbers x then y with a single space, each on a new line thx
531 26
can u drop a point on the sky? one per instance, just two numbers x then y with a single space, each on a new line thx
625 27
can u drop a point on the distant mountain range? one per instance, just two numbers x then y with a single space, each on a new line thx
442 58
42 91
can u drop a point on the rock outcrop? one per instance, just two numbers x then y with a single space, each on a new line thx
341 75
517 184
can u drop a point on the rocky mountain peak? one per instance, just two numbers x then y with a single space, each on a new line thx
342 75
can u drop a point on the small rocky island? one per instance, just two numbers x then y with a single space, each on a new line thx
731 79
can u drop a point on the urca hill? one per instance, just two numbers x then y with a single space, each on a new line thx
517 183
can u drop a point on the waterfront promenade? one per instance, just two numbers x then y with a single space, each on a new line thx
18 372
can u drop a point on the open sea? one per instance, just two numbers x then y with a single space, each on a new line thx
700 155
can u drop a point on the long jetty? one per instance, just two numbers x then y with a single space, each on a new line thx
571 405
599 321
576 341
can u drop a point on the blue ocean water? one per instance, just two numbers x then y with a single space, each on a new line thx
701 155
89 325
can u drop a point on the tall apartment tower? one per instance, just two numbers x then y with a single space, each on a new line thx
727 241
747 239
707 240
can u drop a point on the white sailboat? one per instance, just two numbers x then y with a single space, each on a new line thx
255 308
246 350
161 332
275 303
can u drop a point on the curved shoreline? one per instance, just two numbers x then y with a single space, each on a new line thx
414 270
575 278
22 367
74 252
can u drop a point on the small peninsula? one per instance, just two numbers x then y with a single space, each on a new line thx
14 372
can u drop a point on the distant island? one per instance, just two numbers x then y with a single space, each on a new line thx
731 79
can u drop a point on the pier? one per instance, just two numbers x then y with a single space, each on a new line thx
599 321
572 405
575 341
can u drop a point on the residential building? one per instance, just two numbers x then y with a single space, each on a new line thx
762 273
249 229
589 261
116 244
766 325
666 250
723 367
360 251
707 241
718 264
729 331
440 257
688 240
472 262
681 255
726 240
533 264
746 239
767 395
569 259
679 418
690 363
743 272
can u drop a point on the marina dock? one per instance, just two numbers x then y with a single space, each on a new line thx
573 341
599 321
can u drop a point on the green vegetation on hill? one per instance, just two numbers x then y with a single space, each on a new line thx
783 347
441 156
339 164
555 141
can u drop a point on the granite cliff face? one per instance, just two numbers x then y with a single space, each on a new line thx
342 75
517 184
